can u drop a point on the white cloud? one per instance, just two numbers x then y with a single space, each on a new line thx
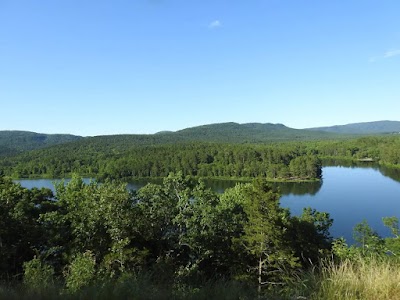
387 54
392 53
215 24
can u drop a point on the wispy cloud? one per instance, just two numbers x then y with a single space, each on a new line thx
215 24
392 53
387 54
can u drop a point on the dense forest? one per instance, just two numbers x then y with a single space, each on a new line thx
172 240
118 157
203 160
14 142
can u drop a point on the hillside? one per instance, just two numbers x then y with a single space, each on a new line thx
13 142
246 133
198 150
377 127
217 150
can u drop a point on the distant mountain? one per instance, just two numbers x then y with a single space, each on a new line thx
13 142
377 127
164 132
246 133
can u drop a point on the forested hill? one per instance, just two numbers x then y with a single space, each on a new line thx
224 150
218 150
13 142
245 133
377 127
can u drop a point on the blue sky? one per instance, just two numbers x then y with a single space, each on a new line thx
92 67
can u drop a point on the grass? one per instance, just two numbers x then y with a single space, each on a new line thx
134 288
363 278
366 278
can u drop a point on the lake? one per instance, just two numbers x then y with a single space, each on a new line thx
348 194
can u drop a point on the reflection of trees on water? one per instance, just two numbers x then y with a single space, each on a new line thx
393 173
350 164
294 188
299 188
285 188
220 186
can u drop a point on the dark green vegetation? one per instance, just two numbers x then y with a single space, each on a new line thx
180 234
13 142
227 150
377 127
124 157
247 133
123 160
176 240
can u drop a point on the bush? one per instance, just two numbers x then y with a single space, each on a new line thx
37 275
81 272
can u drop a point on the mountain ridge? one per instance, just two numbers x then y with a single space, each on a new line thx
374 127
17 141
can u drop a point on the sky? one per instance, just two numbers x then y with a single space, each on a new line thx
95 67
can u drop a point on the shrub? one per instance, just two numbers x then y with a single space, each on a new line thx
81 272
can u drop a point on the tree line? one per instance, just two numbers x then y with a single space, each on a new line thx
279 161
117 158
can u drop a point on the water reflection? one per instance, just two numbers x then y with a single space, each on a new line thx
299 188
393 173
285 188
219 186
390 172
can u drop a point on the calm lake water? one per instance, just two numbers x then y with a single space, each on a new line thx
348 194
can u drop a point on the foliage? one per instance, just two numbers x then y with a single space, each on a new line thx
124 160
81 272
368 239
310 237
20 230
124 156
178 239
181 231
37 275
265 236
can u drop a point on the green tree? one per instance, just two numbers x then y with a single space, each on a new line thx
392 243
265 235
393 224
368 239
211 230
95 217
38 276
20 232
310 237
81 272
